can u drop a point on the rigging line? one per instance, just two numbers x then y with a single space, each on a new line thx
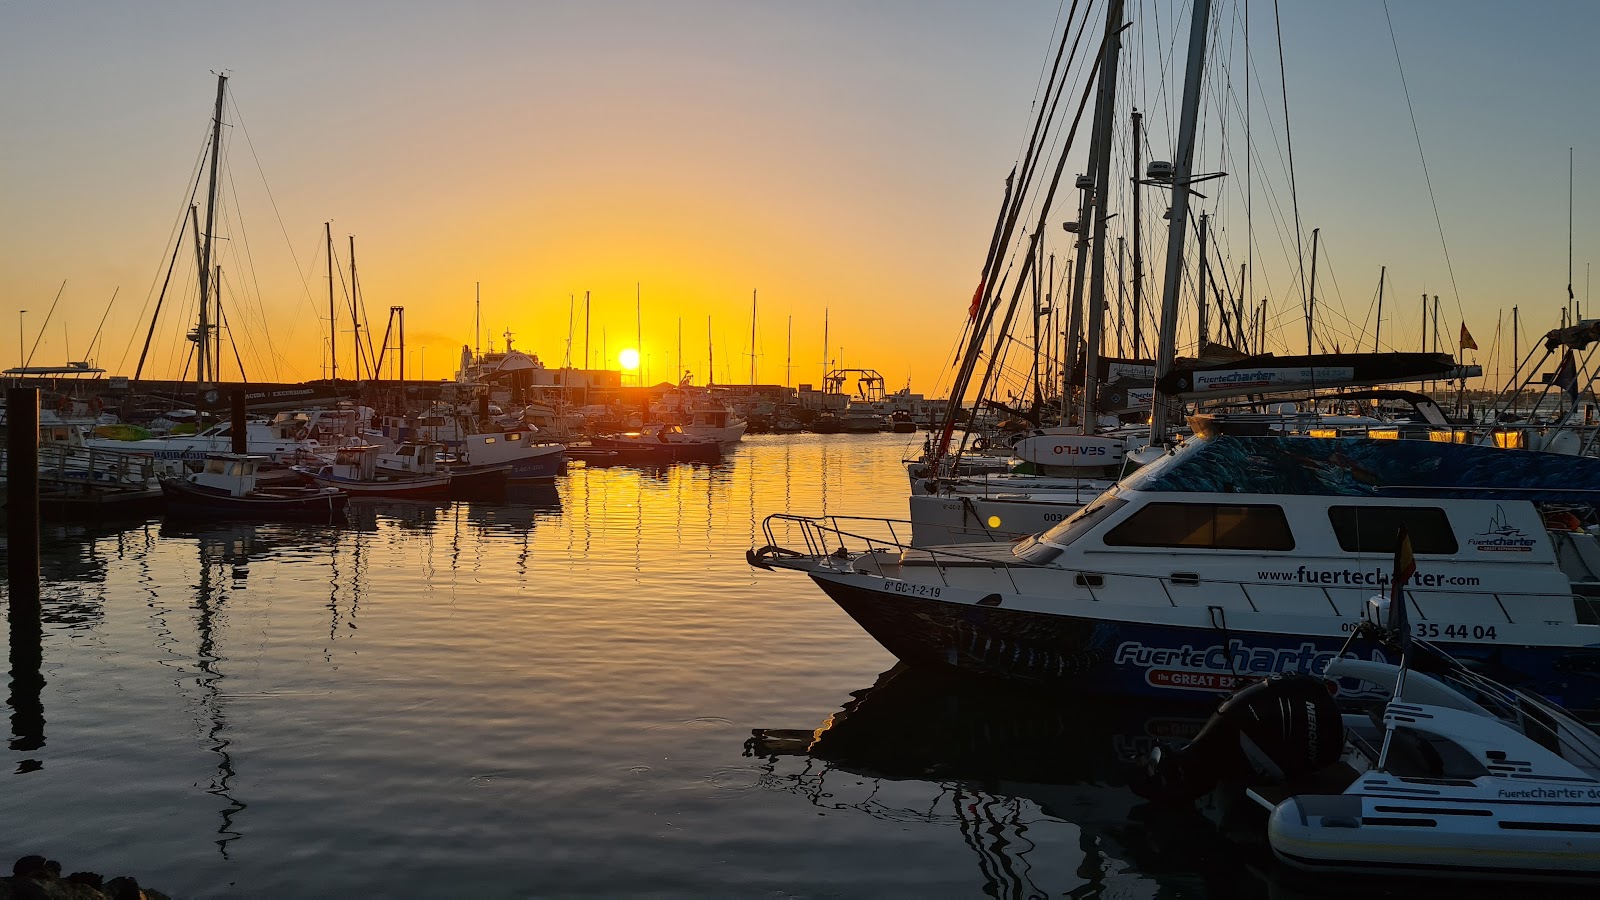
1044 124
42 328
175 236
1045 67
1027 265
234 342
240 251
305 288
990 300
1294 191
89 354
1417 133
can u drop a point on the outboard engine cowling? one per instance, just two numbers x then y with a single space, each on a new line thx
1282 728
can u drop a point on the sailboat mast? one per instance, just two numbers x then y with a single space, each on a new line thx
333 330
711 356
1378 328
1311 302
1202 332
827 363
211 218
477 322
1516 351
1122 285
638 324
1182 169
586 332
1106 107
216 346
752 337
788 356
355 320
1138 255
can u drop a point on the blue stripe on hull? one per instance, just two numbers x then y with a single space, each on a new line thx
1163 661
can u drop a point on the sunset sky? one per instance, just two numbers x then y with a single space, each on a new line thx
830 155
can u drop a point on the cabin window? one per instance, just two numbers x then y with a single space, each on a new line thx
488 440
1214 526
1373 529
512 437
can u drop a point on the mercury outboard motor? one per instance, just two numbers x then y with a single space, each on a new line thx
1282 728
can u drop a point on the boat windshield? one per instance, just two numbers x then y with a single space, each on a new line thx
1046 547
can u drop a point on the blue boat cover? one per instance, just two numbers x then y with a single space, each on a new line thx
1365 467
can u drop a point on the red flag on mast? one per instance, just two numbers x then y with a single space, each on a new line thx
977 301
1467 343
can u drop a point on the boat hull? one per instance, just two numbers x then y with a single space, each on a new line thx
1443 836
396 486
1145 659
659 452
542 465
309 503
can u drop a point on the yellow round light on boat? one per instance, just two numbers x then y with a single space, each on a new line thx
994 521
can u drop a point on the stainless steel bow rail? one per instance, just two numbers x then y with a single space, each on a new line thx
833 545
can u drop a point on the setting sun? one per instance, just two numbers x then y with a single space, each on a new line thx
629 359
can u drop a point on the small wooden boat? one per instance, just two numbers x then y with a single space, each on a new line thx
412 471
665 445
226 488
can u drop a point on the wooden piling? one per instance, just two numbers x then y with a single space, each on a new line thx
22 568
237 426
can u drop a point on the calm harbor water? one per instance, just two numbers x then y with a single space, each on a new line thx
555 695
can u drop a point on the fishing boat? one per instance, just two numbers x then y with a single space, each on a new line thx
665 444
1444 773
711 417
226 487
420 460
1238 556
411 471
468 441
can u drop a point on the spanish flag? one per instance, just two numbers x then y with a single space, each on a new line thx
1467 343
